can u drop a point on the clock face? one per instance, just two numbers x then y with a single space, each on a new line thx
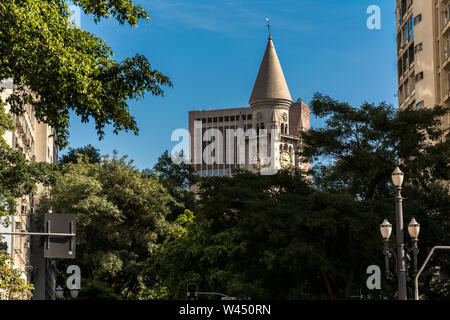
285 160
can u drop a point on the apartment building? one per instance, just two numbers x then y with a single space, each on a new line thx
423 54
38 144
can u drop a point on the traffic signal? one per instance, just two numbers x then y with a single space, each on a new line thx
192 290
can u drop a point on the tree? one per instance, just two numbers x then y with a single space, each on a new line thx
93 155
120 219
179 175
97 290
280 237
362 146
12 285
177 178
58 68
269 237
430 207
359 148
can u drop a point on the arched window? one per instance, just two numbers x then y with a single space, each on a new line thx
282 128
286 129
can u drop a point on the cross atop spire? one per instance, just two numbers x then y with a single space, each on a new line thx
268 27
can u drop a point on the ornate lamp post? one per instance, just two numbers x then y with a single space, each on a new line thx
413 230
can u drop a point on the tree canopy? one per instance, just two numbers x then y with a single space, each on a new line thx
177 178
269 237
281 237
58 68
359 148
12 284
93 155
120 219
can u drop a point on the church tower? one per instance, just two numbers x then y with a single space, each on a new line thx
270 102
271 109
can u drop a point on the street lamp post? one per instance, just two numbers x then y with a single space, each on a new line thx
413 230
397 179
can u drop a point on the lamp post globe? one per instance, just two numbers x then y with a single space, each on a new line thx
386 229
397 177
74 292
59 292
414 229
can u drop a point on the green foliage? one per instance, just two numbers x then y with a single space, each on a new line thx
269 237
57 68
122 10
179 175
279 237
12 285
93 155
176 177
120 219
97 290
361 147
430 207
17 175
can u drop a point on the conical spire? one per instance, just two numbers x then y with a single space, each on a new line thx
270 83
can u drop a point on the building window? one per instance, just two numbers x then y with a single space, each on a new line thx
411 55
417 19
209 120
249 117
231 118
227 118
215 119
419 76
244 117
405 33
403 7
410 29
204 120
419 105
220 119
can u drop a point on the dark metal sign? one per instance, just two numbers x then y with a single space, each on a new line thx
60 247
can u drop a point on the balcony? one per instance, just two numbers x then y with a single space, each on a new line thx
447 97
446 58
445 25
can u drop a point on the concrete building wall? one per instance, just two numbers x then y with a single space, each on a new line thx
37 144
246 118
423 54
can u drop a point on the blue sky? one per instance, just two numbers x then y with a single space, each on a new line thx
212 50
